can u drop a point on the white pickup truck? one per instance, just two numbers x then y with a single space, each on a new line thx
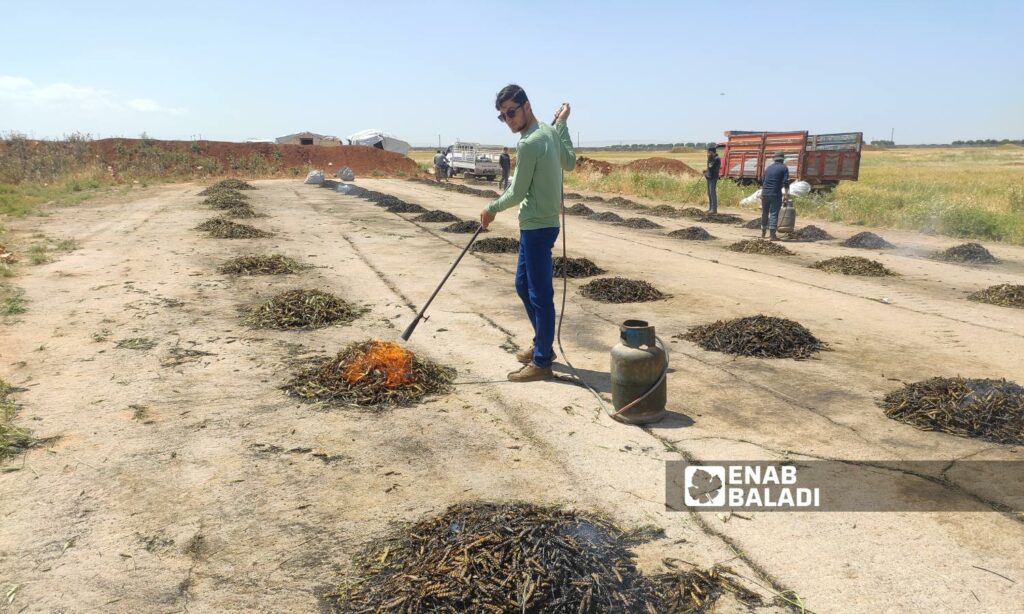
474 160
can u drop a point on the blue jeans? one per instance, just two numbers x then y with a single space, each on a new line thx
535 287
770 205
713 195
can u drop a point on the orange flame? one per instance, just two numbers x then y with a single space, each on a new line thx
390 361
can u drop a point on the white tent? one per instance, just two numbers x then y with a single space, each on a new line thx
376 138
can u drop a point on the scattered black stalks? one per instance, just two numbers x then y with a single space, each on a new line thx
306 309
693 233
496 245
867 240
759 336
760 246
274 264
501 557
437 216
853 265
579 209
807 234
968 253
988 409
696 591
325 380
221 228
227 184
575 268
1004 295
620 290
606 216
641 223
464 227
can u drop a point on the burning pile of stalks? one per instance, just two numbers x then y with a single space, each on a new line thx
693 233
496 245
437 216
968 253
507 557
574 267
221 228
853 265
1004 295
371 374
988 409
760 246
640 223
620 290
606 216
274 264
464 227
867 240
759 336
807 234
225 199
579 209
227 184
305 309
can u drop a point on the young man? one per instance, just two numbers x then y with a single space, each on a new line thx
711 174
439 164
505 162
774 184
542 154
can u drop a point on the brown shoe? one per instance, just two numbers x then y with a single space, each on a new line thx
526 356
530 373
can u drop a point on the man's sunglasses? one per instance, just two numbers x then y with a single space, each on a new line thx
504 116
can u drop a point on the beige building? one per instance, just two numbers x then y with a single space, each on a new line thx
308 138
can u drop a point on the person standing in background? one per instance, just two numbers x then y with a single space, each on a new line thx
774 185
711 174
505 162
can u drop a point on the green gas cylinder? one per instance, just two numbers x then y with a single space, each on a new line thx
639 367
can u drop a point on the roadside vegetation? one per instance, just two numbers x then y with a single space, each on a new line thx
13 439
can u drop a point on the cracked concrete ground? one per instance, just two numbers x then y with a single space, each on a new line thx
223 499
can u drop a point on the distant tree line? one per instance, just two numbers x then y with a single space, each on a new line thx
988 142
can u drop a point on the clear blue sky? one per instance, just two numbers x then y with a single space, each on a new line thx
641 72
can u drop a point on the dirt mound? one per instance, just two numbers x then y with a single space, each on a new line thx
988 409
274 264
968 253
579 209
436 216
227 184
759 336
693 233
306 309
590 165
760 246
640 223
606 216
406 208
496 245
867 240
371 374
662 165
464 227
275 159
853 265
807 234
501 557
575 267
221 228
1004 295
620 290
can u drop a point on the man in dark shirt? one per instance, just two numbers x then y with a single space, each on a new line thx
711 174
505 162
774 184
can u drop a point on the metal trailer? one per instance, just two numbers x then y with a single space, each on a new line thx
475 160
823 160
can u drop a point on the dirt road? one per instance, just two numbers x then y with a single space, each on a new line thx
180 478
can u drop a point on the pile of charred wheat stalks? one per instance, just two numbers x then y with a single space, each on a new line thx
222 228
696 591
989 409
496 245
574 267
371 374
867 240
464 227
760 246
968 253
718 218
404 207
640 223
227 184
242 211
225 199
579 209
620 290
759 336
753 224
853 265
605 216
1004 295
808 234
306 309
436 216
509 557
693 233
274 264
